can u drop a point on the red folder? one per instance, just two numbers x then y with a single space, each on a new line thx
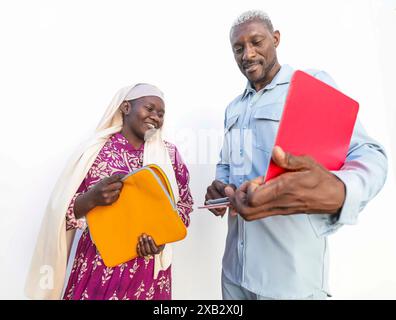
317 121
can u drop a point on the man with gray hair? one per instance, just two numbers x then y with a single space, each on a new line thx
276 245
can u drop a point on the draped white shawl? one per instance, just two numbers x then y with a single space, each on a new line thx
46 276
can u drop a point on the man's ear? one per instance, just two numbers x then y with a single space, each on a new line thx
276 37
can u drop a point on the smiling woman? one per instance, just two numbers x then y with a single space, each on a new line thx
140 115
128 137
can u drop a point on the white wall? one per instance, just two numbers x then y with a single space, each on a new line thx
62 61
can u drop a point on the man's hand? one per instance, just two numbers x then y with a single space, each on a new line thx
147 247
307 187
215 191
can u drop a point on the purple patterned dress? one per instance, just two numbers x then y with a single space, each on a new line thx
89 277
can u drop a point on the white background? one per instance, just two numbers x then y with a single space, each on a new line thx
62 61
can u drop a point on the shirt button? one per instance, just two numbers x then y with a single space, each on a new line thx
241 243
241 152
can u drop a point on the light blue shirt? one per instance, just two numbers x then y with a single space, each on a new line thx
286 256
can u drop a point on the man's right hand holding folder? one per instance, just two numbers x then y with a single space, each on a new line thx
306 187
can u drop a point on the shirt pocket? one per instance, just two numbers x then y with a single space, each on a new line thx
230 122
266 122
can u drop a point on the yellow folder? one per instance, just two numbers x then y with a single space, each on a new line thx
146 205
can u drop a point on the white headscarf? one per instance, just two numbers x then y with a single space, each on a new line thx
46 277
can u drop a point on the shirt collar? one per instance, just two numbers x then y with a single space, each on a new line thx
282 77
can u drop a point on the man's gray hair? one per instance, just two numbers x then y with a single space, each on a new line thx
253 15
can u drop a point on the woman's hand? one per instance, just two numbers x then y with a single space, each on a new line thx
104 193
146 246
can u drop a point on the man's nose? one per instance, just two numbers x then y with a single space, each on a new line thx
249 52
